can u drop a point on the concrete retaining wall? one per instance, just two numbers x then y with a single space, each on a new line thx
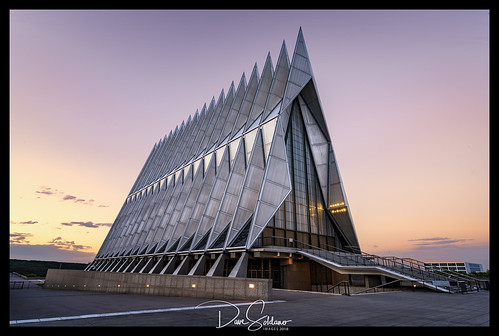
160 284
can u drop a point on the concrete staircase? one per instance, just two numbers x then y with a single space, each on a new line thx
351 263
403 269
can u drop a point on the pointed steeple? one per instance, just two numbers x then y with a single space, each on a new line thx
301 81
300 73
262 92
222 117
249 95
278 82
234 109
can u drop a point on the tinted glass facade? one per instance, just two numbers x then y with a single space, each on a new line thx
303 217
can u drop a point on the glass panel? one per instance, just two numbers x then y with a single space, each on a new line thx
232 150
279 218
219 155
300 182
207 159
179 176
303 212
267 134
196 165
249 140
216 194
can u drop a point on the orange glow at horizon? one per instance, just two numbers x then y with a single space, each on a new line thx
405 95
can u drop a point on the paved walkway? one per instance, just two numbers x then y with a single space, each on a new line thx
45 307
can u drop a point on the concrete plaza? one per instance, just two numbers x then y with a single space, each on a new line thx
35 306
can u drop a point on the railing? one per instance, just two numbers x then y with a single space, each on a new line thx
473 283
18 284
378 288
409 267
342 284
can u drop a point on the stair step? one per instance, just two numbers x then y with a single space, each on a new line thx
391 264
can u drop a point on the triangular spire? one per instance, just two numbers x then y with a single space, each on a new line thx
221 118
234 109
300 72
211 136
220 101
249 95
278 82
301 49
262 92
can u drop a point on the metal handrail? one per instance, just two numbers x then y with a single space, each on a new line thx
378 286
466 278
17 284
347 258
346 286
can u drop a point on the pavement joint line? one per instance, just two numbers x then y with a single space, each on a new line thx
136 312
386 292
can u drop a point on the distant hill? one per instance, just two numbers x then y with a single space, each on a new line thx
38 268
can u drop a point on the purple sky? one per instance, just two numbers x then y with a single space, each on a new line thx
405 95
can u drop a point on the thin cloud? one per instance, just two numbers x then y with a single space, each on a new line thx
67 245
47 191
66 197
429 239
25 222
88 224
19 238
437 241
76 199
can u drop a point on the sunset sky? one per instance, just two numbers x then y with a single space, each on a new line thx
405 95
